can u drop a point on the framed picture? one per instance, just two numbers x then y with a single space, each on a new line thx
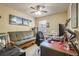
25 22
30 22
15 20
19 21
74 15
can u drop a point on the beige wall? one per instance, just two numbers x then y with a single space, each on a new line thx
54 21
4 21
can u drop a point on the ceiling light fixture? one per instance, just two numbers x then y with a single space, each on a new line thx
38 10
38 13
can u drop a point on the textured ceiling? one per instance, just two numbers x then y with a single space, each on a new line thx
52 8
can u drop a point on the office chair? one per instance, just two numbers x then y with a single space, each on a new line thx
39 38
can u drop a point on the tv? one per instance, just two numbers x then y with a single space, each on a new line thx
61 29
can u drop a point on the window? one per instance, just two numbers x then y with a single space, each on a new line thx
42 26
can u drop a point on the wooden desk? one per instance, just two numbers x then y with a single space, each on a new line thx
53 49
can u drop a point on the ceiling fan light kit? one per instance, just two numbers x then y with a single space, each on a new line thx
38 13
38 10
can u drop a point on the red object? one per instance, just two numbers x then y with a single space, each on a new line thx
60 43
62 46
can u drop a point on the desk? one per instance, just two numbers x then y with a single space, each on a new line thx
52 49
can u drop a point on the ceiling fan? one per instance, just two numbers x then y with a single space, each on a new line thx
38 9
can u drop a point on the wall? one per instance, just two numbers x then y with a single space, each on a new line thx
4 21
54 21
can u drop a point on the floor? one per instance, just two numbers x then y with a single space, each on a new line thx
32 51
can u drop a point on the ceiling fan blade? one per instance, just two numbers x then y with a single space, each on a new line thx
38 7
33 8
44 11
33 11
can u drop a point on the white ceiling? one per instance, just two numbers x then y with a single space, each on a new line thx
52 8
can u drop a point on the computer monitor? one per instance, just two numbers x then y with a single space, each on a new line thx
61 29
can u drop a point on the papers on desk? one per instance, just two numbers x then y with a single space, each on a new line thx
55 38
45 43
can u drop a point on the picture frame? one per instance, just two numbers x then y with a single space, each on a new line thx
14 20
25 22
30 22
74 15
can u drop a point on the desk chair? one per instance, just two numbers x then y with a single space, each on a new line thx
39 39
